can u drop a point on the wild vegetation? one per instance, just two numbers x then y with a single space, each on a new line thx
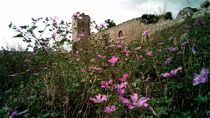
165 75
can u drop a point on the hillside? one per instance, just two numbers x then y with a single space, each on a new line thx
153 76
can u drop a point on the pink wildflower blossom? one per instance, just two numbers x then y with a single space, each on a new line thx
172 73
98 98
109 109
138 57
137 48
101 26
145 33
126 59
104 85
102 57
123 85
126 51
95 68
149 53
113 60
135 102
172 49
125 76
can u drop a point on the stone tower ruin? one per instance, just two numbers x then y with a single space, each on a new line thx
80 27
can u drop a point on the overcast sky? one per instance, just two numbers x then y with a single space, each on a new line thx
20 11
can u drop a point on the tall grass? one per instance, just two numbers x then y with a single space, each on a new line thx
58 83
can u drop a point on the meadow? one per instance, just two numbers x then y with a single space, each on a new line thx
163 75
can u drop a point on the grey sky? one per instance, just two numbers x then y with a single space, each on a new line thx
21 11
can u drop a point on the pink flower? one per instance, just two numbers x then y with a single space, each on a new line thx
138 57
54 18
81 35
113 60
126 51
145 33
121 92
101 26
78 39
98 98
95 68
109 109
102 57
119 46
137 48
168 60
172 73
135 102
172 49
123 85
125 76
126 59
110 81
149 53
104 85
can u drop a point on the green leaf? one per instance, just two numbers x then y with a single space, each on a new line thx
23 27
18 36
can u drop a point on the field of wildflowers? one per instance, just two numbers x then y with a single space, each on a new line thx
165 76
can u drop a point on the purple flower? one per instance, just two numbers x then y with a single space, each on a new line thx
15 113
98 98
125 76
121 92
172 73
172 49
123 85
34 53
193 50
168 60
186 42
109 109
135 102
201 78
104 85
207 112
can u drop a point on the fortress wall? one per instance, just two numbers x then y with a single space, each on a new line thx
133 29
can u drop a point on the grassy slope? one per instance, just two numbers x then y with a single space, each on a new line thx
64 90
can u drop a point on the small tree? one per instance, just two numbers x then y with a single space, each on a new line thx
110 23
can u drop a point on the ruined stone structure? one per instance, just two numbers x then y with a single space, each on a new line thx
133 28
80 26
